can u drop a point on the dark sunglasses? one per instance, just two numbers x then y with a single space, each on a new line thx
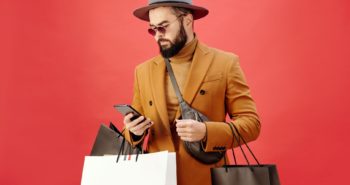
161 29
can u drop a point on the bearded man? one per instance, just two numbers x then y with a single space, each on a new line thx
210 80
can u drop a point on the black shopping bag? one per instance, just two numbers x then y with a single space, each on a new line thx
245 175
260 174
110 141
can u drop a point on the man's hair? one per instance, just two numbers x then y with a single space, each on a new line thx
179 11
182 11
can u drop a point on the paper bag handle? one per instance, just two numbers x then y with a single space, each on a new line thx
233 127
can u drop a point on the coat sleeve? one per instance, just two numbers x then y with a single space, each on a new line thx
136 104
242 110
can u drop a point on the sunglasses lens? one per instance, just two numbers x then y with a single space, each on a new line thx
152 31
161 30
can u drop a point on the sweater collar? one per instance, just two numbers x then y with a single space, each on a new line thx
186 53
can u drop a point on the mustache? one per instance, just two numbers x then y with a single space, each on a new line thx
160 40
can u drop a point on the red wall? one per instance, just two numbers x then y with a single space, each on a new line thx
65 63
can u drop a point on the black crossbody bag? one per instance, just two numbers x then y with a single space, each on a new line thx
187 112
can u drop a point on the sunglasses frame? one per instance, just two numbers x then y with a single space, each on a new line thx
162 29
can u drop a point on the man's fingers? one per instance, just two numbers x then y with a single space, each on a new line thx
189 135
127 118
184 123
141 130
142 124
141 127
183 130
187 139
135 122
190 130
138 125
139 119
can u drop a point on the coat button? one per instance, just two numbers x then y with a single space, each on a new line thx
150 103
202 92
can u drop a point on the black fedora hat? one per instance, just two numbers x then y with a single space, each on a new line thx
198 12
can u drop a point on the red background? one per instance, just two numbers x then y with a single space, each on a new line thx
65 63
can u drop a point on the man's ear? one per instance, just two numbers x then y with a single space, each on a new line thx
188 19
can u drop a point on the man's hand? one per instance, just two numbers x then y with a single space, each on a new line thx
137 126
191 130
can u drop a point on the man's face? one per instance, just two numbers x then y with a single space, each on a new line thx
174 38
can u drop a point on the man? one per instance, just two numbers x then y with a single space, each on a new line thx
210 80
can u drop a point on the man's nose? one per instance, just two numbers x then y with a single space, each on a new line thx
159 35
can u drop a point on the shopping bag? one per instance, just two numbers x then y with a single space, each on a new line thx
150 169
111 141
260 174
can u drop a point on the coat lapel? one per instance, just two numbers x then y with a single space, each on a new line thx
201 62
158 72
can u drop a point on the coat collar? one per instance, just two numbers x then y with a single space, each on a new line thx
200 64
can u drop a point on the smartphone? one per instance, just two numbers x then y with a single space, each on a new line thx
126 109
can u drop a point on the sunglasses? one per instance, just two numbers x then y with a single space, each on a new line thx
161 29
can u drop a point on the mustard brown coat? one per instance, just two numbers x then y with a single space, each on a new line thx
216 86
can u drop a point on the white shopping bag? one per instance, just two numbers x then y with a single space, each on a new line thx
149 169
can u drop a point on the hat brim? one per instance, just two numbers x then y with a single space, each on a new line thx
198 12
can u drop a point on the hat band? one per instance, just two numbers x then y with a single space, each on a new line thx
162 2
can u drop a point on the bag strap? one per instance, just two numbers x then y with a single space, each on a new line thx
238 141
233 141
122 150
245 143
232 126
173 80
184 106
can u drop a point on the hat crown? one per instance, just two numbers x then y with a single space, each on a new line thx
197 11
169 1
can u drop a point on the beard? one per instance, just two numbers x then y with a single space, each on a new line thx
179 43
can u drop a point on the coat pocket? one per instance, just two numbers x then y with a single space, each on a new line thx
213 77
